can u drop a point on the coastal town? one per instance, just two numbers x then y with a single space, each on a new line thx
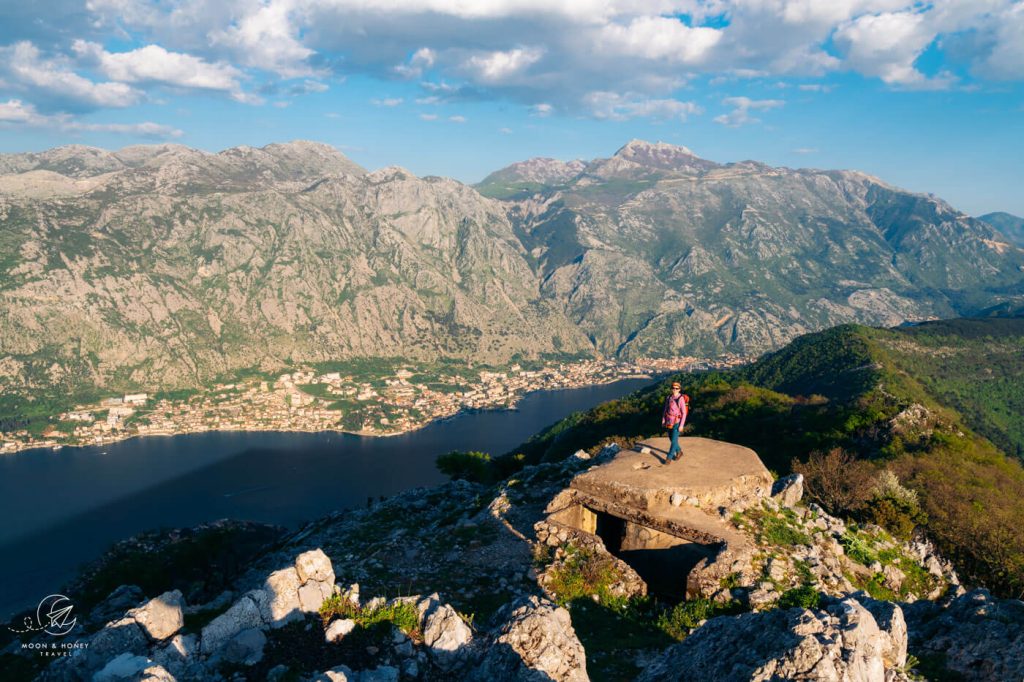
307 400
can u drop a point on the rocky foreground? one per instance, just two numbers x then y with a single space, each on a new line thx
453 583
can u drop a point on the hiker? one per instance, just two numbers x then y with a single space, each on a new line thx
674 418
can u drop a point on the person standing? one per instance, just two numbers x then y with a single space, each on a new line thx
673 418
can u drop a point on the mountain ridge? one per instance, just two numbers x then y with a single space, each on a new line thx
180 265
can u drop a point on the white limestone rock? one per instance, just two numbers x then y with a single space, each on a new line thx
282 603
536 642
338 629
243 615
314 565
161 617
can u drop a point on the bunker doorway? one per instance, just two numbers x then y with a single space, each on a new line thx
663 561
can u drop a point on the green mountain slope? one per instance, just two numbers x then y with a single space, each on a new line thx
912 400
1010 225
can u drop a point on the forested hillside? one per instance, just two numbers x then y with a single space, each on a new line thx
938 405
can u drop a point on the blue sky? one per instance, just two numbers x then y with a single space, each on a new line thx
927 96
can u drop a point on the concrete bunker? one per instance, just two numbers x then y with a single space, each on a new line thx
662 559
662 520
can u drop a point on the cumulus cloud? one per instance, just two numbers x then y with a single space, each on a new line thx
499 66
387 101
661 38
267 39
539 53
16 112
887 45
53 81
421 60
742 106
154 64
616 107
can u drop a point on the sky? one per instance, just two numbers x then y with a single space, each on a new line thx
925 95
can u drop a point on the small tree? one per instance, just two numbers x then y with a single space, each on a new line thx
837 480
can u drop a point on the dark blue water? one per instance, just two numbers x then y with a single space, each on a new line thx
60 509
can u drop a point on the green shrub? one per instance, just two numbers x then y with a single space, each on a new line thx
857 548
401 614
582 574
894 507
471 466
805 597
678 621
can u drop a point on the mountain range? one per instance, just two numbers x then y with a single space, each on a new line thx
1010 225
164 266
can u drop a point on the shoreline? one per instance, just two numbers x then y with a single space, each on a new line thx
362 434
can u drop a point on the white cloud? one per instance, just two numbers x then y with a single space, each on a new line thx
457 119
428 117
267 39
16 112
815 87
421 60
505 131
542 109
54 80
886 45
616 107
742 106
658 38
805 150
1006 61
499 66
535 52
307 87
387 102
154 64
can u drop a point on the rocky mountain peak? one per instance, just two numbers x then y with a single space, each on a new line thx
643 158
638 149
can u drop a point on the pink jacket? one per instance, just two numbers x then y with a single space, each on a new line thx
675 411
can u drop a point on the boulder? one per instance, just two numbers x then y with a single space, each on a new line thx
313 594
445 634
337 630
788 490
979 636
122 668
156 673
537 642
341 673
246 647
161 617
243 615
842 642
122 636
282 603
177 653
889 618
314 565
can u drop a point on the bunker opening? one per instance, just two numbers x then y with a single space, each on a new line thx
663 560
